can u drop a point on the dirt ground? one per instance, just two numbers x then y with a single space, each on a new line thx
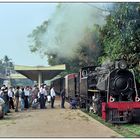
55 122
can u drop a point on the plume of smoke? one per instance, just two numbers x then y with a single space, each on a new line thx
67 28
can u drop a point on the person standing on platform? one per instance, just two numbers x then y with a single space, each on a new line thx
45 93
4 96
41 96
6 92
22 96
11 94
62 98
17 98
26 100
35 91
52 92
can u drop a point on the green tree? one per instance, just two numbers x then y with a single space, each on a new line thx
120 36
36 37
7 65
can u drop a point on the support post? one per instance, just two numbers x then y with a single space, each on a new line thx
39 79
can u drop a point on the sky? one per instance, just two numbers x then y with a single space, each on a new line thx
17 20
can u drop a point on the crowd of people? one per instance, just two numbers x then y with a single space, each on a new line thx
23 98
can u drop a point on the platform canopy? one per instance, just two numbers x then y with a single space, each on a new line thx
40 73
17 76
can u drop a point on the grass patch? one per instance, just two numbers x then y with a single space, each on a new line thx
126 130
133 128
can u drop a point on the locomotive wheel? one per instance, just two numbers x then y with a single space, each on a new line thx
82 103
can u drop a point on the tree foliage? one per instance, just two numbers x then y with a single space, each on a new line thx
120 37
36 37
6 65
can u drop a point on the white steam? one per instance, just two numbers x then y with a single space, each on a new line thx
67 27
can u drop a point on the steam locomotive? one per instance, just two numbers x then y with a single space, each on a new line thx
109 90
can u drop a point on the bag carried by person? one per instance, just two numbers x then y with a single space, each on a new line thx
48 98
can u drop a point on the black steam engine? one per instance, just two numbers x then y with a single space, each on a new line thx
114 93
109 90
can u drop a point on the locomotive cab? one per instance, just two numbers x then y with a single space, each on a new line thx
89 95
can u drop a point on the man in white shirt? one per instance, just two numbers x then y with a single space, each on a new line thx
10 94
41 95
52 92
26 100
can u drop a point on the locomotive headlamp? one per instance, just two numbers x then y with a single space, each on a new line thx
84 73
137 99
112 99
122 64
